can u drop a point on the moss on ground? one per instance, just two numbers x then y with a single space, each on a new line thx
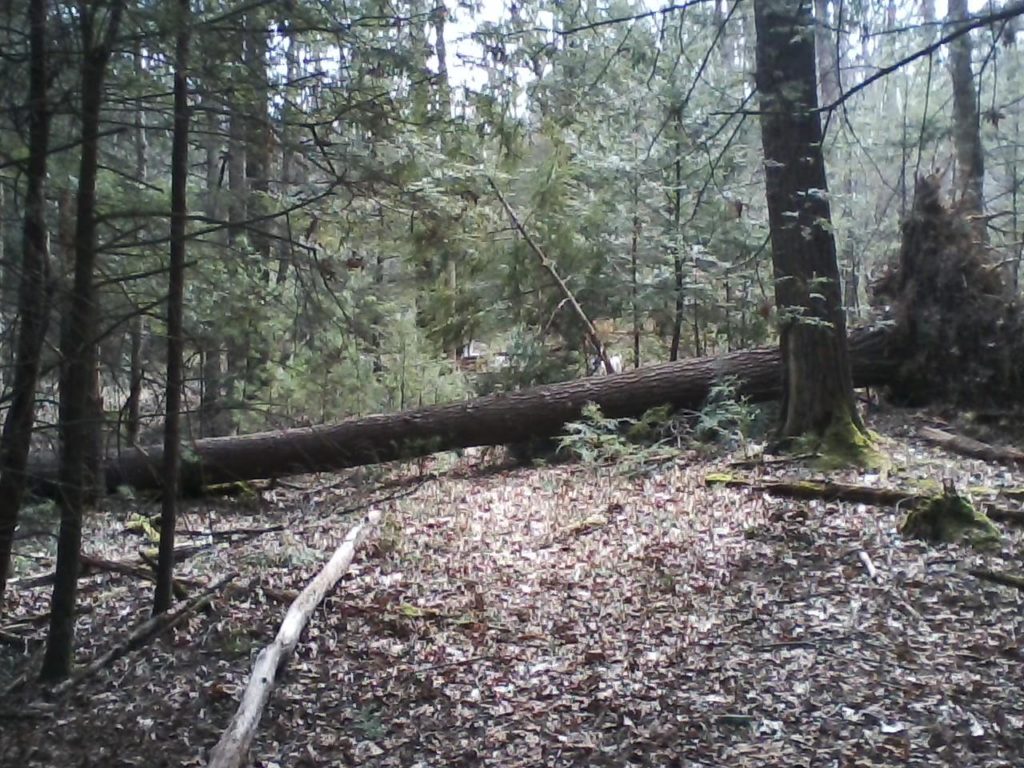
950 519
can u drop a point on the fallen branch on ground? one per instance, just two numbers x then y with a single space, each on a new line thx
90 565
997 577
967 446
869 566
145 632
233 746
855 494
234 535
822 491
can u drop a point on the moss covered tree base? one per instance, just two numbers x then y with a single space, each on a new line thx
846 443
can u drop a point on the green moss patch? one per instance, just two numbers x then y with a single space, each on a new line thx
950 519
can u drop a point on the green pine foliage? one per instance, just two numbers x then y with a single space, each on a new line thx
344 263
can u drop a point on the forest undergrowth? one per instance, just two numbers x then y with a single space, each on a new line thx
555 615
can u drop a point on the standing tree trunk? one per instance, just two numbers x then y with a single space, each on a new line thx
290 119
210 406
33 296
827 53
966 126
257 139
175 332
634 280
817 396
257 174
137 327
677 256
438 17
79 350
135 378
236 352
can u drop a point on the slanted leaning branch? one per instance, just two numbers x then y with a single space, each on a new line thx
146 631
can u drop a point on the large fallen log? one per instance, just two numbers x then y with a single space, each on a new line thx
493 420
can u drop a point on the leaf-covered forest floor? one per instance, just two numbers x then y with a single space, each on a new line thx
556 616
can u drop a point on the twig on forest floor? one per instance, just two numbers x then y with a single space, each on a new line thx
998 577
761 461
367 504
869 566
145 632
243 534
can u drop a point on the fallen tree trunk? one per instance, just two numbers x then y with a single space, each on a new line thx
806 490
233 746
493 420
967 446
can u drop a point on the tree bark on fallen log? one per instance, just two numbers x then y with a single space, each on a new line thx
996 577
823 491
967 446
493 420
233 746
854 494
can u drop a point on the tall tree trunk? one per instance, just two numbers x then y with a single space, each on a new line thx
257 174
175 316
79 350
966 124
210 405
1015 204
827 52
33 296
236 353
136 375
817 392
444 99
928 15
634 278
257 139
677 256
137 325
289 117
238 198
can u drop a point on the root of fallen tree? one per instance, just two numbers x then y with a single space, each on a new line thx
953 310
